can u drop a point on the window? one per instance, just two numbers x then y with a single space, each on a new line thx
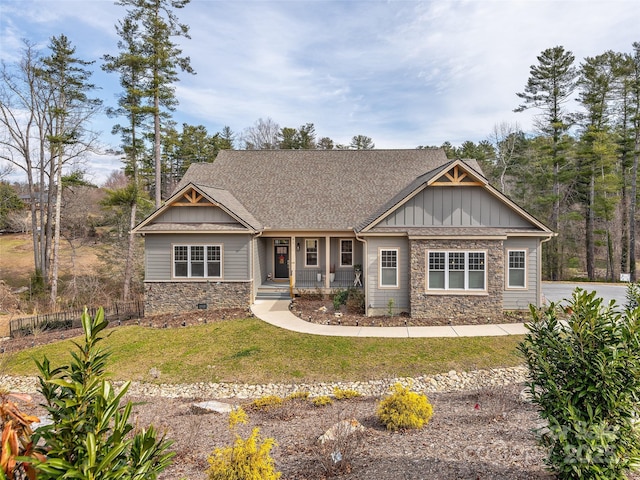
311 253
517 269
346 253
197 261
388 268
456 271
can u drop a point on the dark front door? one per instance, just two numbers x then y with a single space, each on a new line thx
282 261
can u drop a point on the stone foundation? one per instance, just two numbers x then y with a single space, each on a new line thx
176 297
457 309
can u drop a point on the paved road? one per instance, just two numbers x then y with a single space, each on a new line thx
560 291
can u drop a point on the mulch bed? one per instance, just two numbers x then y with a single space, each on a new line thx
320 310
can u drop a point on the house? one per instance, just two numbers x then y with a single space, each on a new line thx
431 236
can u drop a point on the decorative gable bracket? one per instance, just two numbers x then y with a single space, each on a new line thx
193 199
457 176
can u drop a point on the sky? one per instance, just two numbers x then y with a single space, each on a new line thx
405 73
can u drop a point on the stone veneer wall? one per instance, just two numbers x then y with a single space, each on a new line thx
175 297
451 308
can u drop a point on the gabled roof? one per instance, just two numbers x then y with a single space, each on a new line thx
194 194
324 190
455 172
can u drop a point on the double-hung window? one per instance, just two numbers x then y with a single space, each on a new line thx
516 276
346 253
311 252
197 261
389 268
456 271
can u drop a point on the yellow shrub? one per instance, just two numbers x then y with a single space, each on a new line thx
247 459
322 401
404 409
345 394
301 395
266 403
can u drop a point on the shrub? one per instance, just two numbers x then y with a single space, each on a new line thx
344 394
584 376
247 459
355 301
633 295
300 395
266 403
340 298
404 409
91 436
322 401
15 426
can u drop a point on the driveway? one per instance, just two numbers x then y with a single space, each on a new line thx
559 292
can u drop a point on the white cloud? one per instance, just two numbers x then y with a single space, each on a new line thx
402 72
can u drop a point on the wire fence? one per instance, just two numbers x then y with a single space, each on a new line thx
72 318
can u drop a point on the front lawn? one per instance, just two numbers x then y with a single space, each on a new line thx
251 351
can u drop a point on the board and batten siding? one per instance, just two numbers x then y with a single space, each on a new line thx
378 298
236 254
196 215
520 299
259 261
454 207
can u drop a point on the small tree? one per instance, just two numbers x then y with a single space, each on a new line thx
90 437
585 379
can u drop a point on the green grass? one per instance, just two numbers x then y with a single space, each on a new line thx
251 351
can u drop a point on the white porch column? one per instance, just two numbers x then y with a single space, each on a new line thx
327 261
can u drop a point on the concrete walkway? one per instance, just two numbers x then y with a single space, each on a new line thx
276 312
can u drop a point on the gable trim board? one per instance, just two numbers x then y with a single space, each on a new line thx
336 195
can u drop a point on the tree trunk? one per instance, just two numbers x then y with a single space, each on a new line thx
157 151
128 270
56 236
632 212
590 221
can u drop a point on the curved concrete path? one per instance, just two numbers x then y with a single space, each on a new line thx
276 312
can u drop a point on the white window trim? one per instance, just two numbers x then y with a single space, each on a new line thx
397 283
317 252
466 290
352 245
507 279
189 245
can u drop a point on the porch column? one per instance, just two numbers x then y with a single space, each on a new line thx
292 262
327 261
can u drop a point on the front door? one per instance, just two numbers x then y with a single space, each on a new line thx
282 261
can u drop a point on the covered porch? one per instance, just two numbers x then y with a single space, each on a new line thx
313 261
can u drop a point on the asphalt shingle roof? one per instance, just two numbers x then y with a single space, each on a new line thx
314 189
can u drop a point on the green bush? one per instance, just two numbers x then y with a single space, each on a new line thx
340 298
633 295
355 301
247 459
91 437
585 379
404 409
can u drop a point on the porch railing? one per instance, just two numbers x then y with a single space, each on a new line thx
314 278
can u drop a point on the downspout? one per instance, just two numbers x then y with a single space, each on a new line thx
365 274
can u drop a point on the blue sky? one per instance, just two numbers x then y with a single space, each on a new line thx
405 73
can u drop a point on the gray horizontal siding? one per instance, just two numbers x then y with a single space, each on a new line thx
521 299
378 298
236 256
195 215
455 207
